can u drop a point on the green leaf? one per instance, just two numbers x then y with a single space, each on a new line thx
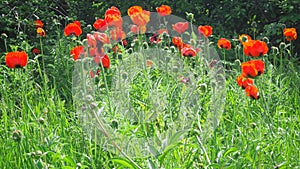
123 162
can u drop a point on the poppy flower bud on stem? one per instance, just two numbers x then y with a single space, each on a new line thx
189 16
17 135
4 35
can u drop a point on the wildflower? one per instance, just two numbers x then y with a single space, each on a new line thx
164 10
161 31
188 52
101 38
180 27
244 38
16 59
252 92
91 40
177 41
73 29
252 68
224 43
92 75
149 63
138 29
290 34
255 48
105 61
139 16
76 52
41 32
100 25
154 39
35 51
117 34
243 81
205 30
38 24
113 17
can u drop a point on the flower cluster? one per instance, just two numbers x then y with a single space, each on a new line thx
251 68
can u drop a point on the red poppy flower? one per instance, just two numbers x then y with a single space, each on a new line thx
252 92
101 38
138 29
100 25
154 39
38 24
255 48
16 59
177 41
180 27
124 42
243 81
91 40
290 34
76 52
259 66
244 38
41 32
188 52
149 63
113 17
164 10
224 43
252 68
117 34
73 29
104 60
205 30
35 51
139 16
161 31
92 75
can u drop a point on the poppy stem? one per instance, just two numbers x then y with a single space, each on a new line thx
5 44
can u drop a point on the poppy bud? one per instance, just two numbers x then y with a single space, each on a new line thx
17 135
3 35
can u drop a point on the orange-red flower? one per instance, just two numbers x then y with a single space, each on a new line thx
177 41
155 39
205 30
224 43
73 29
117 34
188 52
38 24
113 17
16 59
138 29
252 92
139 16
252 68
244 81
41 32
244 38
255 48
100 25
35 51
91 40
101 38
290 34
164 10
180 27
76 52
105 61
161 31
